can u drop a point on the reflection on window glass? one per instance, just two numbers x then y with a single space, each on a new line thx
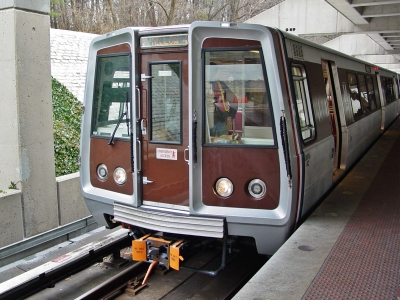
387 87
371 94
364 94
236 99
111 99
303 102
165 100
354 96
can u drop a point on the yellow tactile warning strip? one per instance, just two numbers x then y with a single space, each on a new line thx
365 261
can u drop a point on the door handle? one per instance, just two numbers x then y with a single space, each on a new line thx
143 127
147 181
138 106
139 157
184 155
143 77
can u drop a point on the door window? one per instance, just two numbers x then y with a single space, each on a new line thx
165 103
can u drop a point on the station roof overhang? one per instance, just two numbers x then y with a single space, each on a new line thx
365 29
380 20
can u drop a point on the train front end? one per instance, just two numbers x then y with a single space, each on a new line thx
242 170
186 133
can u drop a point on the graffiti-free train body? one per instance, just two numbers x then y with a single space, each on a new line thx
222 129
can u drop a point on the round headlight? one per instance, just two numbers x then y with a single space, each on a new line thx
119 175
257 188
102 172
224 187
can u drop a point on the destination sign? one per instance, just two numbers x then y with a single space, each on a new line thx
164 41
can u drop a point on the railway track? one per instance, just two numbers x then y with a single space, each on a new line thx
52 272
100 281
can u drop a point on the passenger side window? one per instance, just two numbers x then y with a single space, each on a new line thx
387 87
371 93
364 94
354 96
303 103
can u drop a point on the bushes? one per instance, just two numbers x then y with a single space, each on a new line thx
67 115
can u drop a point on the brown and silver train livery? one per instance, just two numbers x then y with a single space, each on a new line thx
221 129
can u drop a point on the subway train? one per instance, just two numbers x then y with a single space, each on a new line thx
219 130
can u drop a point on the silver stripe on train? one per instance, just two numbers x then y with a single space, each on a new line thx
169 222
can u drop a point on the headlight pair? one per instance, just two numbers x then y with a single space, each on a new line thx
256 188
119 174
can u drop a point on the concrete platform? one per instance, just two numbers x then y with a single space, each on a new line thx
349 248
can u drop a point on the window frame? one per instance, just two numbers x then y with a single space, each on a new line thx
356 116
305 102
267 92
95 96
384 81
361 92
377 106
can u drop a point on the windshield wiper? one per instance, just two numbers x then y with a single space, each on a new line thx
125 113
110 142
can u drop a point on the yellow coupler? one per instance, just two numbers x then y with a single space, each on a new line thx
174 257
141 246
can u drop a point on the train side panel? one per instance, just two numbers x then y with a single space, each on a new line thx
389 97
342 132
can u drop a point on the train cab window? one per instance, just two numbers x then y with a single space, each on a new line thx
303 103
236 99
165 102
354 96
111 99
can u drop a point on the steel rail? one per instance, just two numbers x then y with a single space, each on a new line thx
111 287
50 273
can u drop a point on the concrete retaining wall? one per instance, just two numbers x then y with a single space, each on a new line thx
71 205
11 223
71 208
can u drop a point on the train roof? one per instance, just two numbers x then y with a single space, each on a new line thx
286 35
298 39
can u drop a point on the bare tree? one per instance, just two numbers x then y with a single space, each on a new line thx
100 16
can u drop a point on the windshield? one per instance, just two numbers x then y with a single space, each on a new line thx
236 99
111 100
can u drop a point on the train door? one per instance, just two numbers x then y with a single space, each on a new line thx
164 129
329 70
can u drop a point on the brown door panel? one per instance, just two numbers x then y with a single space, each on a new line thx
167 179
